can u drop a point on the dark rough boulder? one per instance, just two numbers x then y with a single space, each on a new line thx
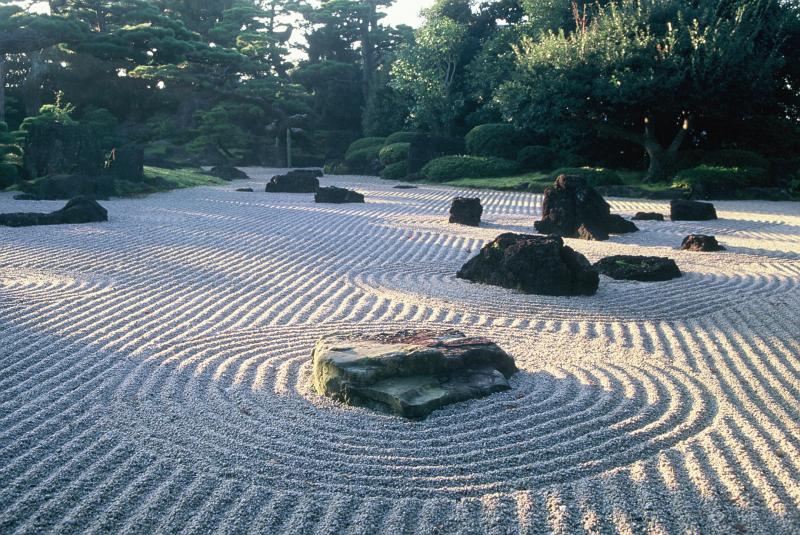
77 210
228 172
293 183
412 373
532 264
701 242
466 211
648 216
638 268
127 163
573 209
55 148
244 190
334 195
692 211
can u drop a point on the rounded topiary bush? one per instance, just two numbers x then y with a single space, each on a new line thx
536 157
396 152
733 158
402 137
9 174
364 160
707 182
497 140
366 143
455 167
395 171
594 176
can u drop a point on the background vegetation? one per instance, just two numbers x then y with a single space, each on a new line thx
700 94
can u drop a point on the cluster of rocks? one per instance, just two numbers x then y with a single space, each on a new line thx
77 210
573 209
410 373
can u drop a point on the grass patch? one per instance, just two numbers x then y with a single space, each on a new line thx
502 183
157 179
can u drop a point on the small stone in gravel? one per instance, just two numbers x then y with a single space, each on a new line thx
701 242
466 211
412 373
403 186
692 211
638 268
648 216
334 195
245 190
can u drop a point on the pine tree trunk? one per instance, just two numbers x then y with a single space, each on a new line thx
661 163
2 88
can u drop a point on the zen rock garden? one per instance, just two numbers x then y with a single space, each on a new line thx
409 373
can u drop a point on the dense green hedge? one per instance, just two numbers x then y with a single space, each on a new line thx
536 157
594 176
498 140
455 167
708 182
402 137
395 171
365 143
8 174
396 152
731 158
366 160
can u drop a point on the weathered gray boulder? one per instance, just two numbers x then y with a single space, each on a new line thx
466 211
573 209
532 264
334 195
77 210
638 268
702 243
411 373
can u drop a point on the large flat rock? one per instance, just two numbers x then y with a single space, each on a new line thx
410 373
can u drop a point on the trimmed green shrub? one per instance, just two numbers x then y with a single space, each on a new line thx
732 158
455 167
707 182
536 157
9 174
427 147
498 140
594 176
395 171
403 137
396 152
365 143
366 160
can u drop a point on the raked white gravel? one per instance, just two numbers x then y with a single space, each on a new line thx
155 373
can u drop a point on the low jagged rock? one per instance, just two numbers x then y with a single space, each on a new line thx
334 195
77 210
638 268
702 243
404 186
244 190
692 211
648 216
466 211
573 209
228 172
293 183
532 264
410 373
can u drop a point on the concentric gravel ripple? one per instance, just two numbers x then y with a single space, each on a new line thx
245 399
154 373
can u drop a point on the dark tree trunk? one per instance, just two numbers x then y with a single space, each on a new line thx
2 88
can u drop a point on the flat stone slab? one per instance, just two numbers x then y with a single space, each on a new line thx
410 373
294 182
334 195
648 216
532 264
638 268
